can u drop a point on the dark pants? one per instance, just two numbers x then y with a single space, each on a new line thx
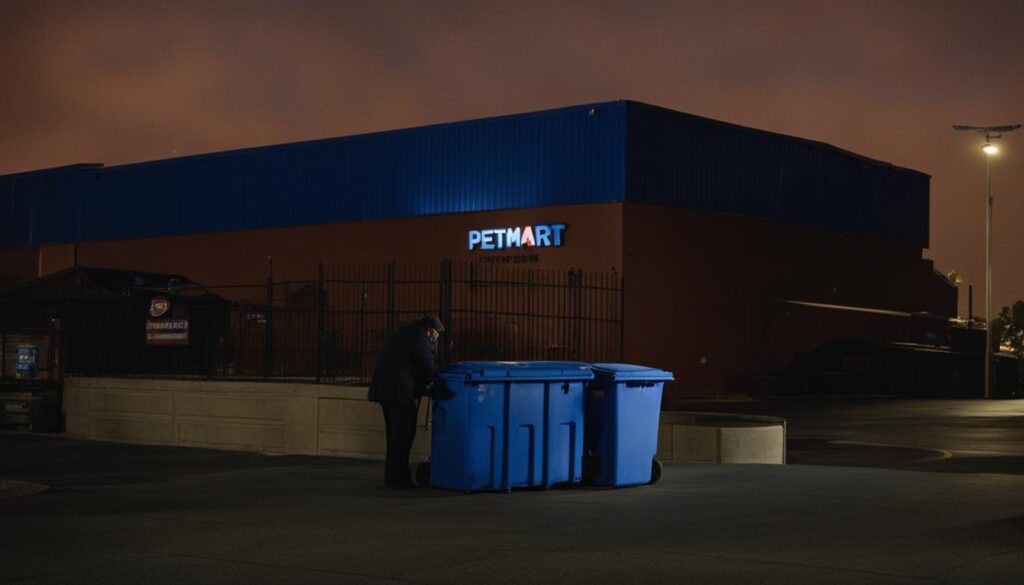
400 424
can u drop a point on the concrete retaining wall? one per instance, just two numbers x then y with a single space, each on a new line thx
312 419
307 419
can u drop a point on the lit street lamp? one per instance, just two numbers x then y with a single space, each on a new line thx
991 133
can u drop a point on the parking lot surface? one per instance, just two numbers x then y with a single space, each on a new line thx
131 514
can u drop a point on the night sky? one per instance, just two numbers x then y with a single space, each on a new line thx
122 82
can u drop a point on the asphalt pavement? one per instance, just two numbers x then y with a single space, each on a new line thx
863 513
950 436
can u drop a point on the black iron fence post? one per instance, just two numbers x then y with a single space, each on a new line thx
449 321
223 327
439 351
122 336
444 309
531 319
566 310
269 337
50 349
320 322
208 346
58 357
65 343
622 319
360 349
237 351
391 297
578 315
130 333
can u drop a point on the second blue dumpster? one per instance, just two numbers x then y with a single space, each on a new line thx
623 405
508 425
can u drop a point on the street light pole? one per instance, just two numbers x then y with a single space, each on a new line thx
988 274
991 133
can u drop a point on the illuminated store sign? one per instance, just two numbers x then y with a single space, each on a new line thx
537 236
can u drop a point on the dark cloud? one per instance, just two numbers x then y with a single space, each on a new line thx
125 81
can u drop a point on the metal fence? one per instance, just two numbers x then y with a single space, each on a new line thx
331 327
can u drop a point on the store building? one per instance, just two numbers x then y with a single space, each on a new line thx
738 248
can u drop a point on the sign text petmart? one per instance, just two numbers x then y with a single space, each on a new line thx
536 236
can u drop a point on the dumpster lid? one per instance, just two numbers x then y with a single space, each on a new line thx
480 371
630 372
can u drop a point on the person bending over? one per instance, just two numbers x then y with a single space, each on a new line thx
405 372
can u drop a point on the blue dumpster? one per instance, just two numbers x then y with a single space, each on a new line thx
623 405
508 425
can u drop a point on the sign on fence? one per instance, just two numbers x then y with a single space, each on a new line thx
28 362
167 332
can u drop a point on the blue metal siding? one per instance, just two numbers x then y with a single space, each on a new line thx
584 154
688 162
557 157
14 222
39 206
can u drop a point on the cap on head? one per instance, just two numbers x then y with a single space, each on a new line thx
432 322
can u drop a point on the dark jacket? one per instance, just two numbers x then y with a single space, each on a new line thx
405 367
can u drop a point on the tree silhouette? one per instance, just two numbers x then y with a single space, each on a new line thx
1008 329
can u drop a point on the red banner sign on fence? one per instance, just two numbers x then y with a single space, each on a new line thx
167 332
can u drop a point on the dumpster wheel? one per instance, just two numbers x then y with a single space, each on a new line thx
656 468
423 474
